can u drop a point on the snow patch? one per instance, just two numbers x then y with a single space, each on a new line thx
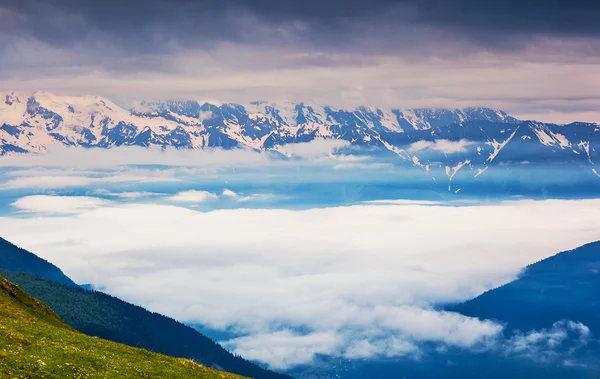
481 171
499 146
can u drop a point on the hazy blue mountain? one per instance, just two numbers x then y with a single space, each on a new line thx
547 313
14 258
563 287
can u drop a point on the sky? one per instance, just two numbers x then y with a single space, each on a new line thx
534 61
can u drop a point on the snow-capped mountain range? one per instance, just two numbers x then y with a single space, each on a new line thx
447 139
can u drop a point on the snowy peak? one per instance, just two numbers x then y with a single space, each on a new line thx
296 114
455 142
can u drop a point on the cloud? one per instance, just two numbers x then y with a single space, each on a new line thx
164 26
124 166
512 81
360 280
404 202
429 325
545 344
87 159
193 196
362 166
241 198
441 145
260 197
51 179
396 332
386 347
206 115
284 349
210 158
354 162
46 182
405 54
573 363
229 193
318 148
411 325
58 204
126 195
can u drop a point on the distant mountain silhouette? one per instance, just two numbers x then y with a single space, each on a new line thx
565 286
14 258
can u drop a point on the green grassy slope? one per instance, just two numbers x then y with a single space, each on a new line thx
105 316
35 343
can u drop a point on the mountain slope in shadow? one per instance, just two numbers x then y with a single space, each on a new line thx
563 287
14 258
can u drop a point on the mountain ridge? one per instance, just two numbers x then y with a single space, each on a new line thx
443 142
558 287
96 121
16 259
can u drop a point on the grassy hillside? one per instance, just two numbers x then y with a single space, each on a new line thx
105 316
101 315
14 258
35 343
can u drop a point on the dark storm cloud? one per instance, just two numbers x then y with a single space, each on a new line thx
159 24
538 59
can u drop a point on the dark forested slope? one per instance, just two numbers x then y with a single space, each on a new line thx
14 258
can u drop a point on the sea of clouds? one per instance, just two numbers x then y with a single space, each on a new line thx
363 280
358 281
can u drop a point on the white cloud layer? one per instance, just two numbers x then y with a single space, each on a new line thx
441 145
96 158
315 149
68 167
229 193
58 204
284 349
543 344
193 196
360 280
126 195
81 179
